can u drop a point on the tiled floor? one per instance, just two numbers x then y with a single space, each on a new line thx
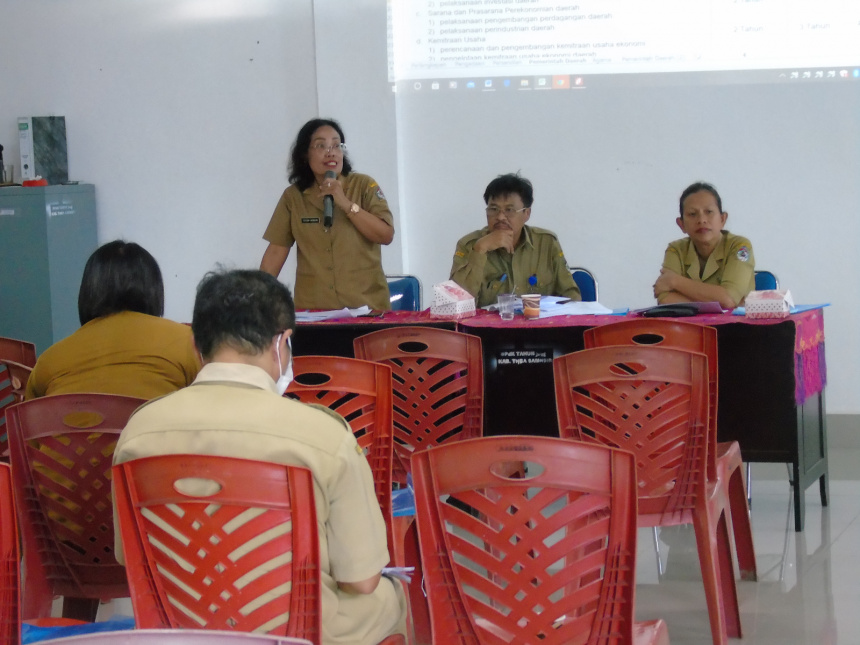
808 590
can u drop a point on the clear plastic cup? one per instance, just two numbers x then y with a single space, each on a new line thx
506 304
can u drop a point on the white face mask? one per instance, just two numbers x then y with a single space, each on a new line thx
286 377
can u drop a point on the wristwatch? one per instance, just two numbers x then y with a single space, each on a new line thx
354 208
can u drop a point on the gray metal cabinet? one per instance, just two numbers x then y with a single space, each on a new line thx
46 235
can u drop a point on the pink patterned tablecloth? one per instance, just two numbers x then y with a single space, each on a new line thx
810 367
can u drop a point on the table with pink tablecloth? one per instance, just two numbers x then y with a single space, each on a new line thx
771 389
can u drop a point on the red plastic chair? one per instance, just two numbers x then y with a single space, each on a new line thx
438 378
175 637
547 556
654 402
61 449
724 458
194 551
13 382
360 391
180 545
10 609
20 351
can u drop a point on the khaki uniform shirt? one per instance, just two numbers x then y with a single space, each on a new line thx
125 353
336 268
536 266
730 265
234 410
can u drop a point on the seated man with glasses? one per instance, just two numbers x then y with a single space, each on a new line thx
507 256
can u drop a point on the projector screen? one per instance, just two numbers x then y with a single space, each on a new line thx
497 45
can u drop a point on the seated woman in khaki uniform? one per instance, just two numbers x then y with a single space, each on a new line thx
710 264
339 262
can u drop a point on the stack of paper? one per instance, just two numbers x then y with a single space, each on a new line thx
555 306
316 316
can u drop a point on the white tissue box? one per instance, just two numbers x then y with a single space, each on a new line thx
768 304
450 300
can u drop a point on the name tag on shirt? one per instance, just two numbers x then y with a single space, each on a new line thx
310 220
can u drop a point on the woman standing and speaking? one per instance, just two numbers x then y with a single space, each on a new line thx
339 260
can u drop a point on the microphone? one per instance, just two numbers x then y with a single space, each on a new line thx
328 203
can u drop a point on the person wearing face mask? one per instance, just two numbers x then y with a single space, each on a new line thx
242 324
506 256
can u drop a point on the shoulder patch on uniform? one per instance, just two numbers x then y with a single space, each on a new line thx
743 254
380 194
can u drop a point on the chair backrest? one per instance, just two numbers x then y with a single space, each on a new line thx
220 543
438 381
765 281
672 334
10 576
405 292
648 400
13 382
20 351
175 637
360 391
61 448
545 556
586 282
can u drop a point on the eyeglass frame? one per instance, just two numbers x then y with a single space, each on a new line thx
495 211
325 149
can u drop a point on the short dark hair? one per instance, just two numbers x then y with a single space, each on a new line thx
508 184
299 168
120 276
241 309
695 188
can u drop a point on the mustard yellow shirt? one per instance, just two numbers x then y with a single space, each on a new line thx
125 353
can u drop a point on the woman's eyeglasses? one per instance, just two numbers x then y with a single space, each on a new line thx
321 147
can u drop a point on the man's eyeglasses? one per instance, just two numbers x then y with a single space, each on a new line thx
493 211
321 147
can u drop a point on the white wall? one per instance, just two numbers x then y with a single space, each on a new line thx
608 167
181 112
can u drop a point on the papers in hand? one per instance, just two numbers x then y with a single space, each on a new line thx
316 316
555 306
401 573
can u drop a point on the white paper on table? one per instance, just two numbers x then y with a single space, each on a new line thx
556 306
332 314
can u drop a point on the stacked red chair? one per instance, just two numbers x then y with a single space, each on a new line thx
61 450
13 382
20 351
541 555
10 609
653 402
360 391
724 458
191 527
438 379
